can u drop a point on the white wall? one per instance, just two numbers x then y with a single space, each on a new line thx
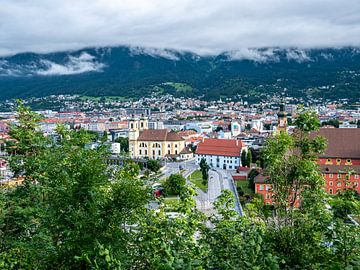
222 162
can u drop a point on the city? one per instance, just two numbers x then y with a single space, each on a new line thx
168 135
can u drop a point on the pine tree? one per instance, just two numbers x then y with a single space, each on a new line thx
243 158
248 158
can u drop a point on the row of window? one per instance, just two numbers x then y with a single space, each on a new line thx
338 161
331 175
154 152
156 145
267 187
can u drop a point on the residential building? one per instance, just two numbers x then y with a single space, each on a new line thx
220 153
339 165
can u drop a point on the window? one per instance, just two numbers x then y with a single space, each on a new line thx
338 175
328 161
348 162
140 152
145 152
267 196
267 187
338 161
331 183
176 152
169 146
142 124
338 184
169 154
356 176
175 145
261 187
159 152
131 125
330 191
331 175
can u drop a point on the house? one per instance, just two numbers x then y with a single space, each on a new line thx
220 153
153 143
339 164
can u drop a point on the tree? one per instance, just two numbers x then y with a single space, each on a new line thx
248 158
290 165
251 184
204 168
153 165
174 184
243 158
331 122
124 144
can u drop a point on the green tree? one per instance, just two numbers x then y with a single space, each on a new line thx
153 165
248 158
243 159
124 144
204 168
252 174
174 184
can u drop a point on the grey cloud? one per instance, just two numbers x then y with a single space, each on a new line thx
202 26
75 65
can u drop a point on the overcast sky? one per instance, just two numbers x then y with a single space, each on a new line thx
202 26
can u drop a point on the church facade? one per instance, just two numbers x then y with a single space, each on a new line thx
153 143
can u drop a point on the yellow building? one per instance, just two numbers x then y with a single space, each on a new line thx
153 143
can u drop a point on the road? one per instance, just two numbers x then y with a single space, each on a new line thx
218 180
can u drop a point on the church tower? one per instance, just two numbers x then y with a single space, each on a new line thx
143 123
133 136
282 119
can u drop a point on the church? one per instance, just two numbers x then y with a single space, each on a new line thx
153 143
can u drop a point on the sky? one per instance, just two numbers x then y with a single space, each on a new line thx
200 26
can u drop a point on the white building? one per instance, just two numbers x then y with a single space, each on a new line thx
220 153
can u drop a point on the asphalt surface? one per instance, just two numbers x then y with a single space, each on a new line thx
218 180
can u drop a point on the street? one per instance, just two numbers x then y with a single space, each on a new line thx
219 180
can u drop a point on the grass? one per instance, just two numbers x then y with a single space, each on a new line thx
244 186
171 203
196 179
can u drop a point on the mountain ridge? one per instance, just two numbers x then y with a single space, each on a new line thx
136 71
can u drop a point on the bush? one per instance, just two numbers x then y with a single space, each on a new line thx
153 165
174 184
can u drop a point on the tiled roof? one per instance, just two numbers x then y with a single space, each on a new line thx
342 142
159 135
185 151
220 147
260 179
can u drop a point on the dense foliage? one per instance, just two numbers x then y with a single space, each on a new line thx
73 212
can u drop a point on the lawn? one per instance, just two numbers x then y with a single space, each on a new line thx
244 186
171 203
196 179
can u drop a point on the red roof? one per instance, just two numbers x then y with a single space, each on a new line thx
220 147
159 135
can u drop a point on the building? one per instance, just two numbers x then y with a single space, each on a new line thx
339 165
220 153
153 143
282 119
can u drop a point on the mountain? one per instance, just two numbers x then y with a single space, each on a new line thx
133 72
